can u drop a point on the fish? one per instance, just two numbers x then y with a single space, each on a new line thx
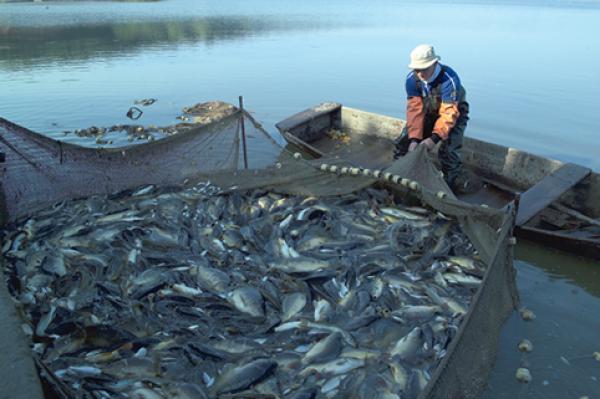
332 328
241 377
285 250
292 305
122 216
247 300
309 243
232 238
300 265
400 374
45 321
210 278
415 312
304 393
323 310
198 292
54 264
185 290
187 390
462 280
144 393
327 349
407 345
334 367
401 214
313 211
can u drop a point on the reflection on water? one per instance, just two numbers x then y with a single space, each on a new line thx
558 266
28 47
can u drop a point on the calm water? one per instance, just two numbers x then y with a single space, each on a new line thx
564 294
530 70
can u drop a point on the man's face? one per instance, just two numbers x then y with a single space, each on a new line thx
425 74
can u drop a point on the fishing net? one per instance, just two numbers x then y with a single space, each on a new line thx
39 172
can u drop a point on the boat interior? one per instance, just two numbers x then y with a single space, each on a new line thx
556 199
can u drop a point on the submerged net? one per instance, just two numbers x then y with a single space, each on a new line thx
216 280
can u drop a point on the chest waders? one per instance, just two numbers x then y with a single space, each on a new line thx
450 149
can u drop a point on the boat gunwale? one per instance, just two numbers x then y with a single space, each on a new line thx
580 197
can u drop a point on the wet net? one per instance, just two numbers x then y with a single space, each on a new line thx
44 176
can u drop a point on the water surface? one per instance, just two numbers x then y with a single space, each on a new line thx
564 293
529 68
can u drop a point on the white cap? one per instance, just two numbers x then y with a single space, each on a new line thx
422 57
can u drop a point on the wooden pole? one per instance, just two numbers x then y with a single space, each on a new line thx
243 133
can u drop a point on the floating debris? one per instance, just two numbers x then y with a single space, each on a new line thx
527 314
208 112
596 356
200 114
523 375
525 346
145 101
155 291
134 113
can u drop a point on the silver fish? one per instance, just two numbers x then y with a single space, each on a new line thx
327 349
408 344
323 310
292 305
334 367
55 264
241 377
461 279
300 265
415 312
211 278
247 300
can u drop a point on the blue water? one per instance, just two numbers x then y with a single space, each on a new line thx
530 69
564 294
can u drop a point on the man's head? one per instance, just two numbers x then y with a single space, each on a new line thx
423 60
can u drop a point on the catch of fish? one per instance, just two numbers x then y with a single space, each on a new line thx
195 293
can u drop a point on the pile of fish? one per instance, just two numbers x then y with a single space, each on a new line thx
133 132
192 293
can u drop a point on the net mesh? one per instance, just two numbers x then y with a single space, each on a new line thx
39 171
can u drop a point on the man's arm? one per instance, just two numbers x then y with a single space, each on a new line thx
446 120
415 114
448 113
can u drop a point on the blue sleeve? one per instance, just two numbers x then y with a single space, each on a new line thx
450 87
411 86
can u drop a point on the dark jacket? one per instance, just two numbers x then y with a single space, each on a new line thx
433 108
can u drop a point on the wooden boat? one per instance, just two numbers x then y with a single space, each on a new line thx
559 203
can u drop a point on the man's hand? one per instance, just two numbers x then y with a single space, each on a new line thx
413 146
428 143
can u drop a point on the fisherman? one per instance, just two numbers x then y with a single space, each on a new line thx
436 111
